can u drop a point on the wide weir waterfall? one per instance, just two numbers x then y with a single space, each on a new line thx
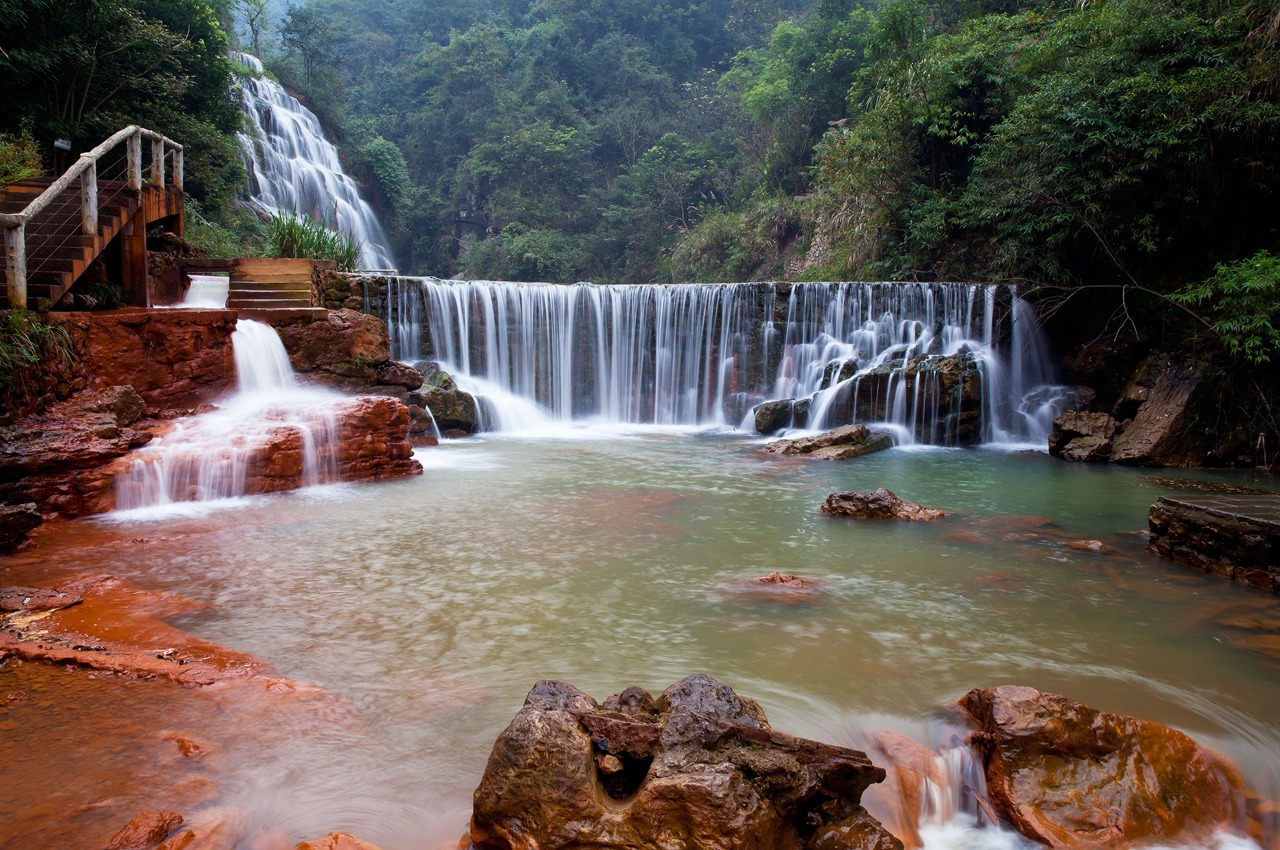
937 363
294 169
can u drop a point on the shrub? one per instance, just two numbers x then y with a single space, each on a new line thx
298 236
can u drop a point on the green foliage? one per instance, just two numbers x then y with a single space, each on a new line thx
19 158
737 245
299 236
1242 300
27 345
231 232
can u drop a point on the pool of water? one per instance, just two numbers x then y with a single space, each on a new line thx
431 605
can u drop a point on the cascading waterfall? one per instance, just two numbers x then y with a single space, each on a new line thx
293 168
224 454
937 363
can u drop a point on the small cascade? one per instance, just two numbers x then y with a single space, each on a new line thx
293 168
206 291
272 435
940 364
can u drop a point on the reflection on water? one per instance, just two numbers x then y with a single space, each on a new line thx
432 604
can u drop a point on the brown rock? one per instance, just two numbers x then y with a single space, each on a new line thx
896 802
1082 436
1070 776
1159 401
16 522
147 829
843 443
882 504
336 841
700 768
35 599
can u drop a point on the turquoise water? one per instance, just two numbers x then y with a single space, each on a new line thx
432 604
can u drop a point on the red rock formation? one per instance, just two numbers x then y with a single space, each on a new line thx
171 358
882 504
147 829
1071 776
336 841
698 767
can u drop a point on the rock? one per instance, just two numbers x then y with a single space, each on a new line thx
336 841
453 410
35 599
777 588
1232 536
1159 402
774 416
700 768
843 443
837 371
897 802
16 522
342 340
1070 776
948 387
882 504
147 829
1082 436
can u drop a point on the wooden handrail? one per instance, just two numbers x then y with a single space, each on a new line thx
85 170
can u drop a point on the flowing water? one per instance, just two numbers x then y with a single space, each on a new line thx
697 354
211 457
613 557
294 169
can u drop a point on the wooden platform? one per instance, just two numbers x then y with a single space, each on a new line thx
1236 536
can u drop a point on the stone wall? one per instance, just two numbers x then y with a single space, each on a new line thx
1237 537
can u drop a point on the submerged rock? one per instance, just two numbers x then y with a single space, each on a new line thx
882 504
696 767
843 443
1070 776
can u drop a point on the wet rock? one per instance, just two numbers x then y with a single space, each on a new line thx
837 371
16 522
843 443
881 504
774 416
1231 536
336 841
1157 406
700 768
1070 776
1082 436
35 599
776 588
454 411
147 829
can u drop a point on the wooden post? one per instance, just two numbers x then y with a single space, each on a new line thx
177 169
157 162
134 158
133 260
89 199
15 265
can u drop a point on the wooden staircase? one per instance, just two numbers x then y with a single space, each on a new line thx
56 229
270 285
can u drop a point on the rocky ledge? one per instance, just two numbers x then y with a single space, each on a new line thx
843 443
881 504
697 767
1234 536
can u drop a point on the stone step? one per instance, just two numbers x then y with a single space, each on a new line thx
266 303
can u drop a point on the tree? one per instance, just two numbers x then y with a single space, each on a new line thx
308 35
257 18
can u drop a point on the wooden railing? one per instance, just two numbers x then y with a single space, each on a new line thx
86 171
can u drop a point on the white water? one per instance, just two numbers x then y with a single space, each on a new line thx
215 456
206 291
705 355
293 168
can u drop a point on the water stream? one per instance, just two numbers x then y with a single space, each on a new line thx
697 354
294 169
611 557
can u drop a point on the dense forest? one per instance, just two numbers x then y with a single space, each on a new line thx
1125 144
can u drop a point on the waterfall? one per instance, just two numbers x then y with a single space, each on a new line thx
293 168
938 363
270 433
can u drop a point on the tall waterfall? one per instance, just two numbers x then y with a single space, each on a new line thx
939 363
293 168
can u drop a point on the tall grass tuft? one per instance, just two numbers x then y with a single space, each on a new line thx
298 236
29 348
19 158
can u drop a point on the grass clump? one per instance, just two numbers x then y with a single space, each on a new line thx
298 236
19 158
29 348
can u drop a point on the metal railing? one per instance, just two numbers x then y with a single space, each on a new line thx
94 173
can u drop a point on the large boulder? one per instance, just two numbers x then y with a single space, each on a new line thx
1082 436
881 504
843 443
780 414
697 767
455 412
1070 776
1155 411
16 522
